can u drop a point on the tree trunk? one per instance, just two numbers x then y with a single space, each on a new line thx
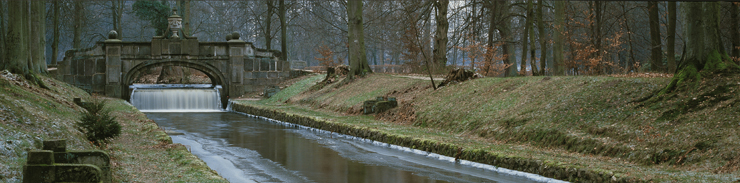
504 31
17 55
28 35
543 35
525 40
78 21
735 35
533 49
2 36
268 22
597 36
703 48
440 36
55 41
356 37
671 37
558 44
38 36
283 29
656 55
185 13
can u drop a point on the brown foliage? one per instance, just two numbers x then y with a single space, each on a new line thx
327 56
485 59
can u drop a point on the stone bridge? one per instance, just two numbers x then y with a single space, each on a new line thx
110 67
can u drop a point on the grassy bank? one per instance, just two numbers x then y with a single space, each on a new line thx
602 124
143 153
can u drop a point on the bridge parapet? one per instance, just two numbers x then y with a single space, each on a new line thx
111 66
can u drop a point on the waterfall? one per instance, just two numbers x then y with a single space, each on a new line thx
175 98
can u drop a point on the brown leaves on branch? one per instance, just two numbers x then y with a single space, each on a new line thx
485 59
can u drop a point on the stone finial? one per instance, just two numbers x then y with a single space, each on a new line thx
234 35
228 37
112 34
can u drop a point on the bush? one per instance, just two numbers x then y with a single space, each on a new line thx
97 124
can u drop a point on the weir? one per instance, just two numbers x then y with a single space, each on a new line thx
176 98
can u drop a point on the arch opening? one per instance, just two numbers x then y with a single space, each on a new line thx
216 80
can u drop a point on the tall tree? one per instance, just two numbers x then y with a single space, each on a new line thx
525 40
671 37
156 12
558 41
283 31
703 48
543 35
735 33
55 42
17 55
2 35
656 54
79 16
505 32
268 23
185 13
356 37
116 15
440 36
37 38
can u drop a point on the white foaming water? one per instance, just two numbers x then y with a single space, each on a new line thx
163 99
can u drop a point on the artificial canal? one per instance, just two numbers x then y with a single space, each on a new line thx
247 148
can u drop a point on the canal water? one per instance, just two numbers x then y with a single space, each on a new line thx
248 149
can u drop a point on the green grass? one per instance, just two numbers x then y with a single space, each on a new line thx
597 122
29 115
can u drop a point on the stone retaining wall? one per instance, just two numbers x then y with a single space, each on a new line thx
547 169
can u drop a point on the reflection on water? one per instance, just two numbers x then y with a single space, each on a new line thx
263 151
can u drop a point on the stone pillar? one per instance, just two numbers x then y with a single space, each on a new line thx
113 83
237 49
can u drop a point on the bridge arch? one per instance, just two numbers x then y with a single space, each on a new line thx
216 76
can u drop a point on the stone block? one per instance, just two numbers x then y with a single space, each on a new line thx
127 50
113 61
220 51
126 65
94 157
206 51
156 48
190 47
272 74
77 173
248 75
40 157
38 173
143 51
174 48
264 64
236 51
80 67
57 145
114 74
164 45
100 66
113 51
89 67
248 64
70 79
284 74
260 75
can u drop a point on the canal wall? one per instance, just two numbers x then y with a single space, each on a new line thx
547 169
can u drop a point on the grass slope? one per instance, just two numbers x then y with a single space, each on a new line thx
602 123
143 152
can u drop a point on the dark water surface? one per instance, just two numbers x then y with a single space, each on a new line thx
246 149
